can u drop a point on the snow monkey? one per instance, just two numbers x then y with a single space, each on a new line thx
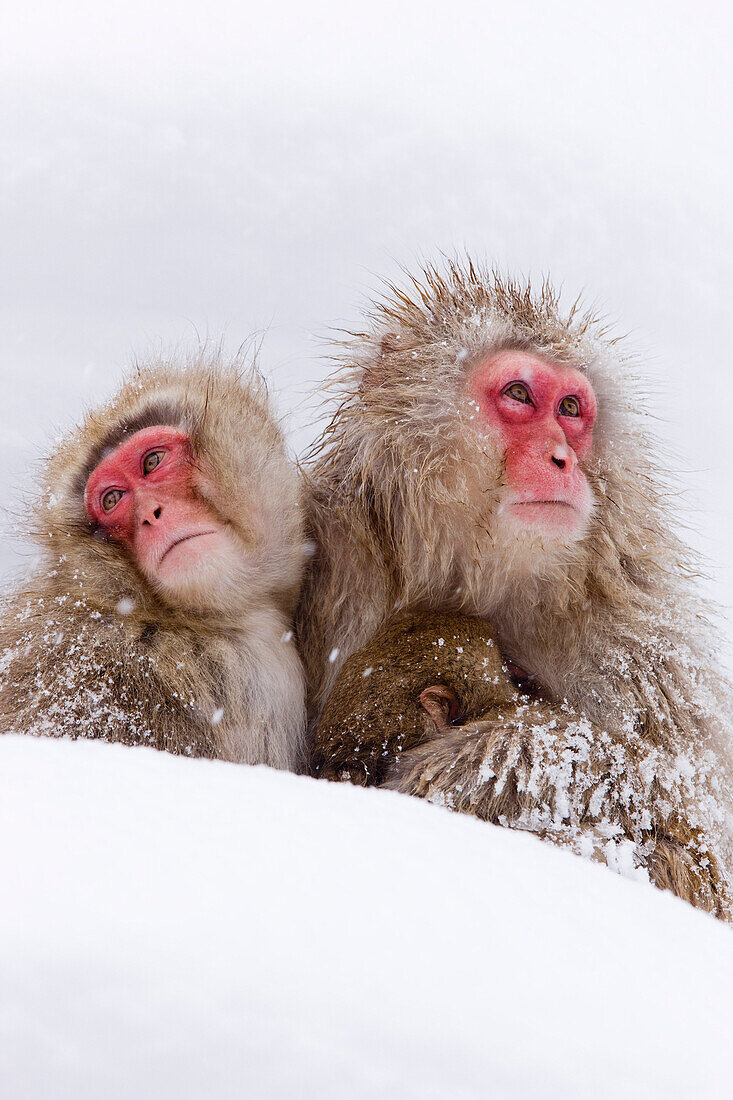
419 670
429 695
171 551
491 454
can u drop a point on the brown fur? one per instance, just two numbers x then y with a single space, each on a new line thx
403 490
374 712
88 649
554 774
515 761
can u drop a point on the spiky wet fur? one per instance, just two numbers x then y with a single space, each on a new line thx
89 649
402 488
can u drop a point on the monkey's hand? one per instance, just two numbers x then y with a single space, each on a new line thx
459 770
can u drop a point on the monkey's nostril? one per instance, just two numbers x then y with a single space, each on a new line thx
560 462
157 511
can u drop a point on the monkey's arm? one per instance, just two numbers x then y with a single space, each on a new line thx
573 784
85 675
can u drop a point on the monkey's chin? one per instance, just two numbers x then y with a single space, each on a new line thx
534 536
187 553
553 518
203 573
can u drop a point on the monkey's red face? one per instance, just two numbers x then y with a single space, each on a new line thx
143 495
543 416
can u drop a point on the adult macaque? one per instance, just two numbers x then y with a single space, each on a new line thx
492 456
172 551
427 707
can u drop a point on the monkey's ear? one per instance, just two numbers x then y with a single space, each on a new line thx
442 705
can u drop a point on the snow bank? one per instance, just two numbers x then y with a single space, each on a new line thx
178 928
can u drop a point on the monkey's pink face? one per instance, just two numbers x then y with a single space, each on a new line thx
543 417
142 495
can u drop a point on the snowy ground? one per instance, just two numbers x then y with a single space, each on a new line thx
171 173
188 929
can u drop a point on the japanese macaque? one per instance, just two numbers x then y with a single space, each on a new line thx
492 455
172 551
419 670
429 708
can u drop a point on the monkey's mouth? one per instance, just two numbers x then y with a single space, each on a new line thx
184 538
557 514
542 504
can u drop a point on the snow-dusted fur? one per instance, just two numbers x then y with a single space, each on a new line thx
543 768
403 491
88 649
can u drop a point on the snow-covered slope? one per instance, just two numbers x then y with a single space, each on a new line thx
177 928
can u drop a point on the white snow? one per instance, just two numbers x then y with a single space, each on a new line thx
178 928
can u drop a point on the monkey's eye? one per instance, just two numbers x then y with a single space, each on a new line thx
151 460
518 392
111 498
569 406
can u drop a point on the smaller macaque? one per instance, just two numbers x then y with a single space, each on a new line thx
420 673
430 709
